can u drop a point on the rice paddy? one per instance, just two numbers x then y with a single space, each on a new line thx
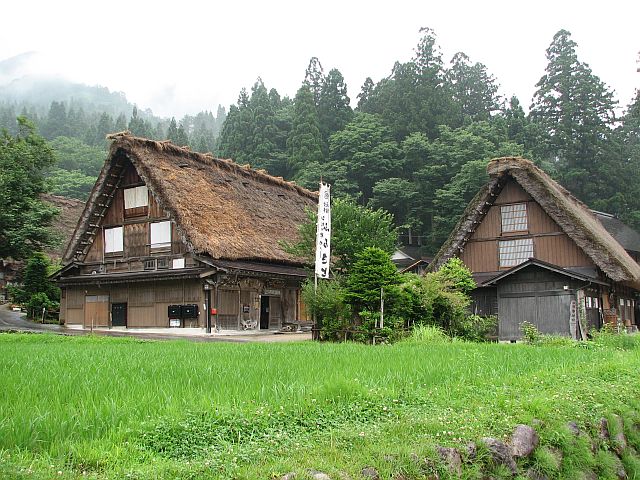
91 407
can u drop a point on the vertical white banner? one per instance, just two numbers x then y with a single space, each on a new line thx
323 232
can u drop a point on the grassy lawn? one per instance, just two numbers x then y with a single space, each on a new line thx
90 407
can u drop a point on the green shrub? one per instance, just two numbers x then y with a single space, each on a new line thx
622 341
530 333
427 334
38 302
476 328
327 305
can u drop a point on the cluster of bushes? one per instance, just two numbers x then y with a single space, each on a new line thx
348 307
37 293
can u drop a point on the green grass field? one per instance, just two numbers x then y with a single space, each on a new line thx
90 407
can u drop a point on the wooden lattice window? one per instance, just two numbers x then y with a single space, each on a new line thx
514 252
514 217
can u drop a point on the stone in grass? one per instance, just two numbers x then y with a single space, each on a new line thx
574 428
371 473
471 452
619 440
317 475
603 430
533 474
288 476
621 473
524 441
500 453
451 457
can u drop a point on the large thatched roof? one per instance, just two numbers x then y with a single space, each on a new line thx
220 208
573 216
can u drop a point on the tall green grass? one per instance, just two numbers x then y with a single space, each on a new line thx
115 407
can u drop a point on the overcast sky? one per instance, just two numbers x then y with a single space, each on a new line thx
185 56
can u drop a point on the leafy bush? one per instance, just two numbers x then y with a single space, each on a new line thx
476 328
530 333
328 306
621 341
427 334
40 301
456 274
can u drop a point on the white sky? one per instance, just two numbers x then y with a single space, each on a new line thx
185 56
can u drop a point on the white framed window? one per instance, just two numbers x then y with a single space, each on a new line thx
136 197
160 234
588 302
113 240
177 263
514 252
514 217
595 302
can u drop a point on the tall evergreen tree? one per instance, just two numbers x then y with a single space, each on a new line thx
475 91
575 111
172 131
334 111
314 78
305 141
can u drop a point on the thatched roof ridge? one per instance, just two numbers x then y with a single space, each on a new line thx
123 139
220 208
573 216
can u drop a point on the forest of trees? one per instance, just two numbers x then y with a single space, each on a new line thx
76 132
418 141
416 144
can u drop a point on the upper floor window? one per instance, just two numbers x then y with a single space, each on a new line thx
514 252
514 217
161 234
136 201
113 240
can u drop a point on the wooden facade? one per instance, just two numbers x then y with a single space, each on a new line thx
540 256
134 263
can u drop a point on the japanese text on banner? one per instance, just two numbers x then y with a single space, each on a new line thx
323 233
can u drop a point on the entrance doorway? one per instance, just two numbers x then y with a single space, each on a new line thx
96 311
264 312
118 314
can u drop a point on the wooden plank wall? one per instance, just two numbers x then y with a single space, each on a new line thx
147 302
550 243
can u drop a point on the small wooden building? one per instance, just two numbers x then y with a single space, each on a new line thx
172 238
540 255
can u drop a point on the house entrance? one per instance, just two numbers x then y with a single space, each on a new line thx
264 312
96 311
119 315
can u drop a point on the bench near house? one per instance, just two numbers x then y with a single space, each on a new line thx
171 237
540 255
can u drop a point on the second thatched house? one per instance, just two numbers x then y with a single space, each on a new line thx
540 255
172 238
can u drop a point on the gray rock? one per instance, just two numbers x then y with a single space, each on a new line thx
452 458
524 441
619 440
603 430
370 472
533 474
573 428
500 453
621 473
288 476
317 475
471 452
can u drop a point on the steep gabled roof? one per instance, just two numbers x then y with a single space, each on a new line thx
573 216
220 208
535 263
